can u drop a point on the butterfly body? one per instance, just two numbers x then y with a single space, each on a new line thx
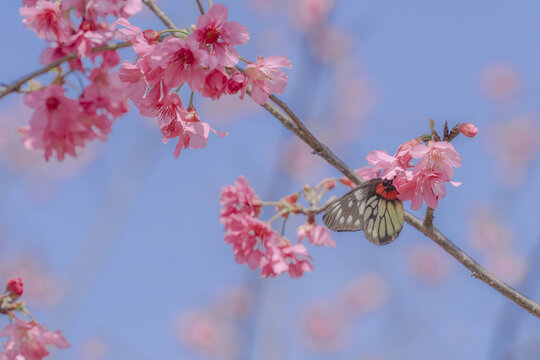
373 207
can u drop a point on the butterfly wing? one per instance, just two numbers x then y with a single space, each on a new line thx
346 213
363 208
383 220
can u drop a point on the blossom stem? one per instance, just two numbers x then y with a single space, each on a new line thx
181 31
283 225
244 60
282 212
272 203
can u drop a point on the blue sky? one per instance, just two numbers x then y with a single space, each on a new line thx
133 239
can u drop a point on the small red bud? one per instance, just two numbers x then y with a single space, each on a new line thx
15 287
345 181
151 36
329 184
291 199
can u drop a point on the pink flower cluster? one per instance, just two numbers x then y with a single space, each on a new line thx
205 60
421 182
255 243
29 340
25 340
61 124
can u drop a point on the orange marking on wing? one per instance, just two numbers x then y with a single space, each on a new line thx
392 195
379 189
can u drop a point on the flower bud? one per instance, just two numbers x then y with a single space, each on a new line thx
329 184
151 36
192 115
236 82
15 287
468 130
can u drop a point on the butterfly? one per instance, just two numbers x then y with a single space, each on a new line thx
373 207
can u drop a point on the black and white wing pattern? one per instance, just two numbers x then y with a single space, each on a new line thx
373 207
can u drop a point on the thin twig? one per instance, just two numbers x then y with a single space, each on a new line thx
293 123
16 85
160 14
201 9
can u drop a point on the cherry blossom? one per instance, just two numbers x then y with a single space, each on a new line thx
103 8
215 84
281 255
217 37
239 198
181 61
266 77
316 234
54 126
29 340
426 182
47 20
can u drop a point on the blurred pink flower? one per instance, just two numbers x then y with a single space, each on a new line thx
93 348
316 234
266 77
514 144
281 256
48 21
310 13
247 234
104 8
488 232
324 327
29 3
235 304
57 126
205 334
428 263
366 293
508 264
29 340
298 161
500 81
142 42
105 93
218 37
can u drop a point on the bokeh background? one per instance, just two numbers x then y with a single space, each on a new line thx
122 250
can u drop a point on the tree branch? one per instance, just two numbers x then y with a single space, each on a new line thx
428 219
201 9
160 14
289 119
16 85
431 232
